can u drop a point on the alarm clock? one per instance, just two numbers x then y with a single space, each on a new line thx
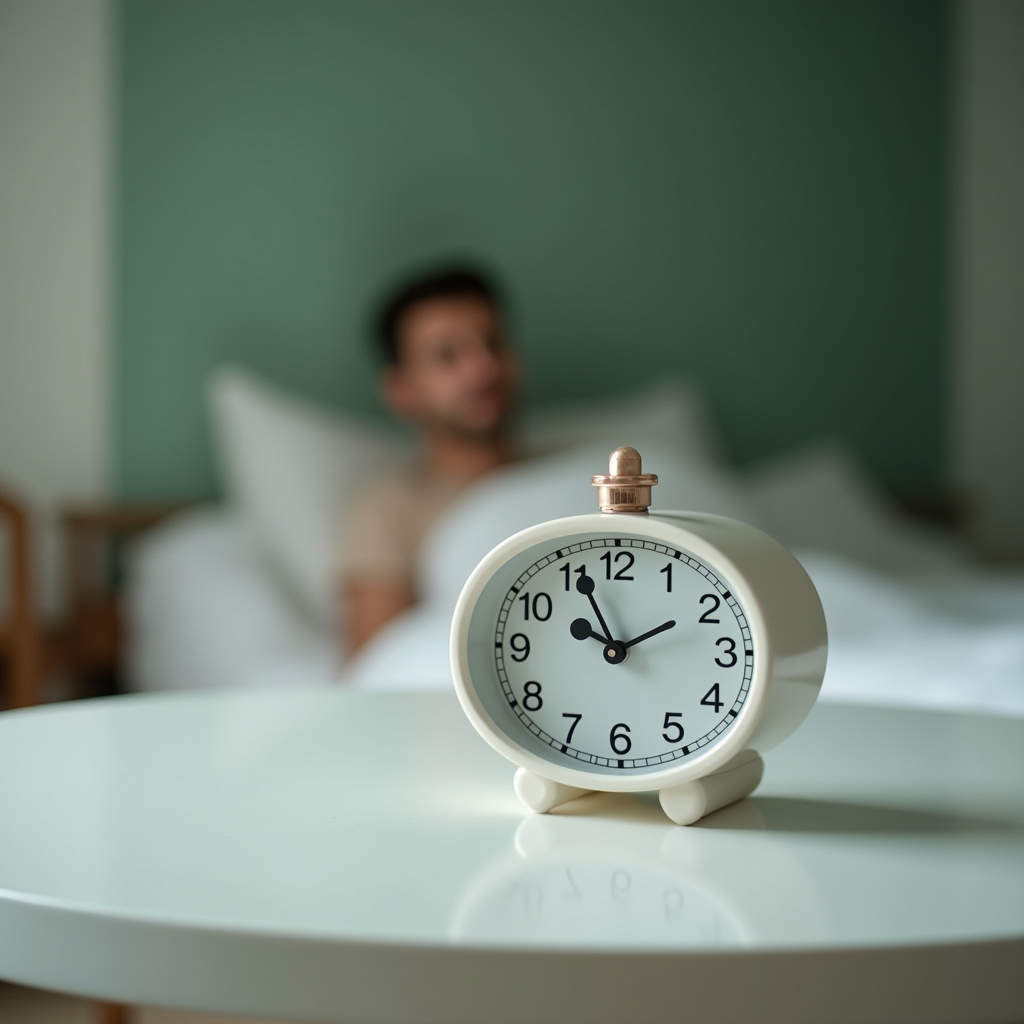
630 651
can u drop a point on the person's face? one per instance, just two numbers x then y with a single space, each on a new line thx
455 369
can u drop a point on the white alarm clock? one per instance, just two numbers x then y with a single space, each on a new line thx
629 651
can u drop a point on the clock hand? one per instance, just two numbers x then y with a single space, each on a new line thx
649 633
582 630
614 652
585 586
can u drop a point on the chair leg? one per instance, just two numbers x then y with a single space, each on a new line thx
23 654
112 1013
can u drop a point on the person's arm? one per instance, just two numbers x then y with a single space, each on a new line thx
376 567
370 605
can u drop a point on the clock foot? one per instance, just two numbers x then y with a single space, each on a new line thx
688 803
542 795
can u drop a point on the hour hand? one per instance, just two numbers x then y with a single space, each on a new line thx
582 630
614 652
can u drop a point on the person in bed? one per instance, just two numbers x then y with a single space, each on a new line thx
449 370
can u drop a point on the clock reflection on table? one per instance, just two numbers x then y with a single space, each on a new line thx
577 877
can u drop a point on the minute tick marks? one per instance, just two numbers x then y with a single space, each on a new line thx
625 677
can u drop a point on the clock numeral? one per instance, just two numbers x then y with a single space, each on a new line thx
576 894
713 699
580 571
522 649
668 582
669 724
730 653
572 728
541 602
706 617
534 695
620 742
673 903
620 883
621 574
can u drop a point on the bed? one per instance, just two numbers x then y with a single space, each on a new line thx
242 594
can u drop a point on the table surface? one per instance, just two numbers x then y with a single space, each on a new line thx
331 855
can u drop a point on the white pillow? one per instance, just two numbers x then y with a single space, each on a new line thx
207 612
669 412
818 497
293 468
536 490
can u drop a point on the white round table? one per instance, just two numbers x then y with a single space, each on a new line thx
338 856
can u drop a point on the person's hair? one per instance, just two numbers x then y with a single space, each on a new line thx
446 282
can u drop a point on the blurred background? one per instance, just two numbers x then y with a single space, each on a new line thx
813 211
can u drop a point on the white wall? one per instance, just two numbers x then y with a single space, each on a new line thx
56 61
988 272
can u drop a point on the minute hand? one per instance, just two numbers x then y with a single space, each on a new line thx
585 586
651 632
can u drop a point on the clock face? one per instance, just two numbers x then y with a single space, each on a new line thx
614 654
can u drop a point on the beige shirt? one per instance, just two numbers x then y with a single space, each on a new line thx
389 521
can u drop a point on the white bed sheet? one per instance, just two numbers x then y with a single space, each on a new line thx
911 622
947 641
206 610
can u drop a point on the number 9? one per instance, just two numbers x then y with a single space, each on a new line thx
523 649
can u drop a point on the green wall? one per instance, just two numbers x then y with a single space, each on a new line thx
750 194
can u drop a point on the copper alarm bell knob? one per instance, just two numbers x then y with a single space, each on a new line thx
625 488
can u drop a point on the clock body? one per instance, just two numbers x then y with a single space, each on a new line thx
632 652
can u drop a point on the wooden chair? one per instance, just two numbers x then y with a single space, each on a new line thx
20 651
21 645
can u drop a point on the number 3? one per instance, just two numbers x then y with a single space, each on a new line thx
730 653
